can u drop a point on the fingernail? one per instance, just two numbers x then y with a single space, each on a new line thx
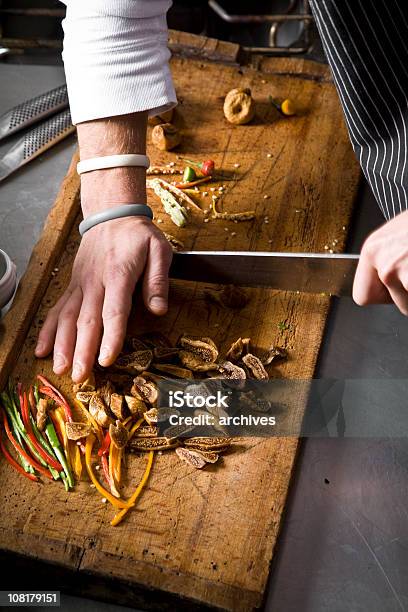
77 370
39 348
158 303
104 354
59 361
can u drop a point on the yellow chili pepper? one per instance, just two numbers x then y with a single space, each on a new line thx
288 107
112 463
132 500
76 463
135 427
95 425
88 461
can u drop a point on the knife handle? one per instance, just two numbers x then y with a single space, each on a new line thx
36 141
33 110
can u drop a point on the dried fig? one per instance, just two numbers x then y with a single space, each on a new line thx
239 107
166 136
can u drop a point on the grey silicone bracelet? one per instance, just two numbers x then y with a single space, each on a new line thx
128 210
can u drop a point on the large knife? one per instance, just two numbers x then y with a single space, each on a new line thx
304 272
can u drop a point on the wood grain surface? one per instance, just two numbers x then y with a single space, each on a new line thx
206 536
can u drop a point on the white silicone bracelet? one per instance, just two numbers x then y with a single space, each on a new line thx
112 161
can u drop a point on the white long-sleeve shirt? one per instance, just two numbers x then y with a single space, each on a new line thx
116 58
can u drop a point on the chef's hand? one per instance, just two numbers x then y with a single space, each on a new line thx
90 318
382 272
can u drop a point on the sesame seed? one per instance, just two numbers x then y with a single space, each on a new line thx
344 228
206 220
233 233
326 246
171 164
92 486
104 500
237 165
266 221
226 229
235 220
330 250
159 220
266 196
97 467
212 188
269 155
270 241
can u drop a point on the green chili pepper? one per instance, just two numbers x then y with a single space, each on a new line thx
189 174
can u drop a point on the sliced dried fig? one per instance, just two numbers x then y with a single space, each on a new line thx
195 363
136 406
191 457
84 396
177 431
176 371
134 343
164 117
164 353
86 385
208 443
204 348
135 362
145 390
235 351
76 431
105 391
138 444
274 353
152 416
118 406
208 456
147 431
119 434
232 374
99 411
42 413
254 365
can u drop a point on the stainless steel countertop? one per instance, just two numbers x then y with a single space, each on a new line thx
344 544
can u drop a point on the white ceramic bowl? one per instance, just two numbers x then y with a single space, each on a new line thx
8 278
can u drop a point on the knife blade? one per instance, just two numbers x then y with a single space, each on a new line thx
304 272
35 142
31 111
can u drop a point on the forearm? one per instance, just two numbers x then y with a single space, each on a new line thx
123 134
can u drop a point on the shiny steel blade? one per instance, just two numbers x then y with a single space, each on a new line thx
33 110
305 272
34 142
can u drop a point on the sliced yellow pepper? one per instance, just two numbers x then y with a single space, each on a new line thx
118 503
77 462
132 500
94 424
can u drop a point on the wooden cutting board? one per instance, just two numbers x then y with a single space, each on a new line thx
199 538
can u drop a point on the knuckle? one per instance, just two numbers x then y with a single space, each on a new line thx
387 274
110 313
119 270
87 320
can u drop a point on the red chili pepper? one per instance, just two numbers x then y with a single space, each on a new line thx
105 445
31 399
27 424
22 452
61 402
105 467
14 463
207 167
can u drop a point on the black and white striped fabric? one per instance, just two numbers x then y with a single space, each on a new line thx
366 44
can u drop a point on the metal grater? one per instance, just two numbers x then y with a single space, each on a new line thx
35 142
33 110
